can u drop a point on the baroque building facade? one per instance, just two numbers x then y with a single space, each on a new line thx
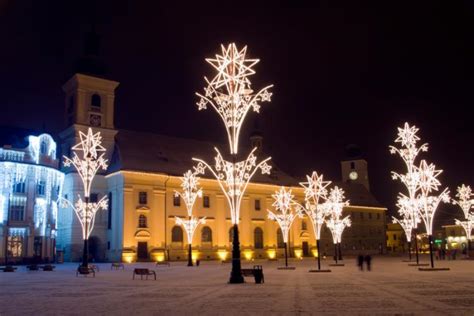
30 184
145 171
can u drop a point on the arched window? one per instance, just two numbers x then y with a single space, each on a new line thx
258 238
206 234
280 243
95 100
231 234
176 234
43 147
142 221
303 225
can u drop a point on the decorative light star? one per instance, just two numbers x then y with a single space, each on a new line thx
333 207
233 178
407 226
190 192
465 199
230 93
468 225
288 211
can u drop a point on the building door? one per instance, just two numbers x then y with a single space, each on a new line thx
38 247
305 249
142 251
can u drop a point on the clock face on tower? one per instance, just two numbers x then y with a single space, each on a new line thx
95 120
353 175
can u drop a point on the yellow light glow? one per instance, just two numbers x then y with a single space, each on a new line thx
158 256
222 254
248 254
298 253
271 253
315 253
128 257
195 255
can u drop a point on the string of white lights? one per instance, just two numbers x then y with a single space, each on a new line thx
288 211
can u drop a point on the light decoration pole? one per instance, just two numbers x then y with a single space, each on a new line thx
466 202
229 93
288 210
421 181
333 207
315 193
91 161
407 225
189 193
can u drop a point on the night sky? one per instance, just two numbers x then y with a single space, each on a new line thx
345 74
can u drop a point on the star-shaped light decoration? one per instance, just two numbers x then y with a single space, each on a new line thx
190 191
468 225
288 211
333 207
230 92
233 178
465 199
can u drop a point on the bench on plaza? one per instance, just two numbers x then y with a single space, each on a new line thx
47 267
85 271
256 272
8 269
116 266
32 267
162 263
143 272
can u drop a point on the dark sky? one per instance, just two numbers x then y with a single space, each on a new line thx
343 74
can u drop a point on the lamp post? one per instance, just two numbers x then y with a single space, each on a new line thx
315 192
230 94
190 192
288 211
87 167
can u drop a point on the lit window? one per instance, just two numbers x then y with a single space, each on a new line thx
176 234
142 198
205 201
176 200
258 238
15 246
206 234
41 188
142 221
257 205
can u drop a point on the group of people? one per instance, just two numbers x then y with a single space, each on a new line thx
367 259
441 254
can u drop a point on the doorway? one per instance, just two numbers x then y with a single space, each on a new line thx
305 249
142 251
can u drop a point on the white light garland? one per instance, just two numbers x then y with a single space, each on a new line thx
288 211
468 225
406 224
233 178
190 225
465 199
190 191
230 93
333 207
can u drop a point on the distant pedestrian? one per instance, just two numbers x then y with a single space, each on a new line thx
443 254
368 260
360 262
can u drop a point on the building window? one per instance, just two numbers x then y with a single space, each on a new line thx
142 198
96 101
394 237
176 234
361 215
142 221
205 201
17 209
206 234
108 245
352 165
176 200
303 225
370 215
19 187
378 215
109 212
257 205
280 242
94 198
41 188
15 246
258 238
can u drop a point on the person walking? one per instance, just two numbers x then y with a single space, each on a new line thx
368 260
360 262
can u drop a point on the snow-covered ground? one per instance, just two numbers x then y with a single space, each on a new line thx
392 288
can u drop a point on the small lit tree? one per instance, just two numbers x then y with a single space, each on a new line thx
189 193
288 211
87 165
466 203
407 225
421 182
334 206
230 94
316 193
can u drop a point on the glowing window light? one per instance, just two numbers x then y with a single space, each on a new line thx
288 211
233 178
333 207
315 192
465 199
468 225
230 93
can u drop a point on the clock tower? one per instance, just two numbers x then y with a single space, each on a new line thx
354 168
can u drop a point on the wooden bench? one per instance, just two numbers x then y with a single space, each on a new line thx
8 269
116 266
143 272
85 271
162 263
256 272
32 267
47 267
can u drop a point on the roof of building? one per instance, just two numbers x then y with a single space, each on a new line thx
149 152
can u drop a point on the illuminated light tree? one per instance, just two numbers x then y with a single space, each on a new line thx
229 93
288 211
407 226
421 182
190 192
333 207
87 165
466 203
315 193
408 151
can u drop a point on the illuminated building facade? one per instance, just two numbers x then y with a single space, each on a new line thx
145 170
30 184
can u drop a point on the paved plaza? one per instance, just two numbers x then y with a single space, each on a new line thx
391 288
